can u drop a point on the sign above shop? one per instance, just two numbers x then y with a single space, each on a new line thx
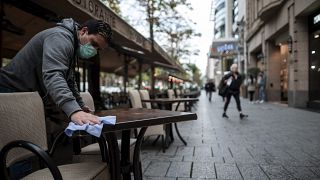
223 47
316 19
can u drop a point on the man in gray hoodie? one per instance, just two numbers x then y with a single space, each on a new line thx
47 64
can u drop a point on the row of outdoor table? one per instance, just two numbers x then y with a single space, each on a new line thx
128 120
166 103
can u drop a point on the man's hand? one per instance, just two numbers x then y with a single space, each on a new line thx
86 109
81 118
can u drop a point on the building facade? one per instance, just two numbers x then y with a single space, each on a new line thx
227 45
282 39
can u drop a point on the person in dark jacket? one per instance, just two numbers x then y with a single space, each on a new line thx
206 88
233 80
47 64
211 88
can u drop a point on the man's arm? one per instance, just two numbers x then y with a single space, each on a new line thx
74 88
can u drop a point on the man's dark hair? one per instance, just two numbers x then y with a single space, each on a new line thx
98 27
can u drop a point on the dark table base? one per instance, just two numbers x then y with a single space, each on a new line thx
122 165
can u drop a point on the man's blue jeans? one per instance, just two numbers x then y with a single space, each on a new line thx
262 93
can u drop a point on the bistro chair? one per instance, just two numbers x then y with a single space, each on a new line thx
23 131
174 105
158 130
92 152
178 93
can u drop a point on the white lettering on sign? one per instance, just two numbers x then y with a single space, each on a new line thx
97 10
225 47
316 19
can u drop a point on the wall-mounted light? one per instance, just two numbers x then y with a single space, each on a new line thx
289 41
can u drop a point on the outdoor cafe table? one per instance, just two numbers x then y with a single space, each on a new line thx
169 102
127 120
192 94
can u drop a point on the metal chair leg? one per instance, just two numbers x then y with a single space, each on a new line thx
137 172
156 140
114 155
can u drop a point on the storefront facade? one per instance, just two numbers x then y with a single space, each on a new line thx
314 59
282 39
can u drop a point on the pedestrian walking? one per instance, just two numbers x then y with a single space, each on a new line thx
262 87
233 81
251 82
211 88
206 88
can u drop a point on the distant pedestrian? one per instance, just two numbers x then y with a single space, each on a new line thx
251 82
262 87
211 88
206 88
233 80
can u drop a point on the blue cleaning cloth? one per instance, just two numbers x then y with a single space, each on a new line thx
94 130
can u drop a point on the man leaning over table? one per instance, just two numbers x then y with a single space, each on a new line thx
47 64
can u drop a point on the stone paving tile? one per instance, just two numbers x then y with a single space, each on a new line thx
162 158
196 179
276 172
203 159
301 172
145 164
171 151
203 170
302 157
157 178
252 172
185 151
203 151
179 169
272 142
227 171
157 169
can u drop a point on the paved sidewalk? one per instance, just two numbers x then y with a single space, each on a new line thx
275 142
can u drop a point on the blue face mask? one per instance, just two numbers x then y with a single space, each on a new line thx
86 51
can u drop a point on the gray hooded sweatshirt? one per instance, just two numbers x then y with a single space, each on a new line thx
46 64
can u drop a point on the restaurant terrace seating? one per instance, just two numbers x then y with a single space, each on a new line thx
174 105
178 93
23 131
158 130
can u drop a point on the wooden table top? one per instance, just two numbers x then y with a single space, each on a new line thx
167 100
130 118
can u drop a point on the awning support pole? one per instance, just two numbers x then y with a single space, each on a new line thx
94 80
152 79
140 74
125 77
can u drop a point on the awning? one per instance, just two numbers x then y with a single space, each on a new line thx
35 15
